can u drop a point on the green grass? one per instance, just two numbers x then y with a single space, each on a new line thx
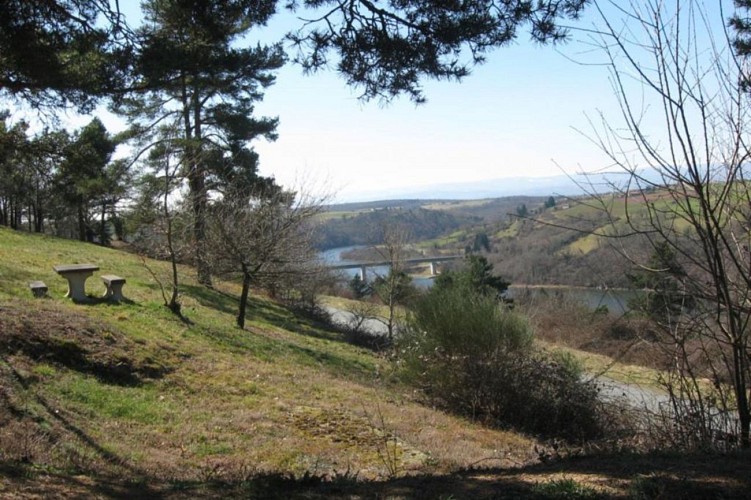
211 407
450 239
566 489
510 232
584 245
99 400
224 393
452 205
328 215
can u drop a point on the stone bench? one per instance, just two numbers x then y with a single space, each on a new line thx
114 286
38 288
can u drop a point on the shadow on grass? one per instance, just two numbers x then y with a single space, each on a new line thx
211 298
295 320
268 348
92 300
636 476
72 340
59 417
316 322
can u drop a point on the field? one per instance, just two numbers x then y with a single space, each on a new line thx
127 400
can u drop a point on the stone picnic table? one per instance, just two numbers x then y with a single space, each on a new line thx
76 274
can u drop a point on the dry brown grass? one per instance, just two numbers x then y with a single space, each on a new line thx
617 345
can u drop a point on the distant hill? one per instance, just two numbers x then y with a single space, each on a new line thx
366 226
558 185
362 223
359 206
551 246
489 188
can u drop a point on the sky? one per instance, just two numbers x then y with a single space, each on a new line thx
524 113
516 115
527 112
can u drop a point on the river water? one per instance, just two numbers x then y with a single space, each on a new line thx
334 256
616 300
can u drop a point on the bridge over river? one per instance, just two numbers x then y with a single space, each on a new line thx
433 261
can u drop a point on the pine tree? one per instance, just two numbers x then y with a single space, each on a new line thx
201 86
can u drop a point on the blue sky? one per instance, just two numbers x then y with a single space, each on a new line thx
513 116
521 114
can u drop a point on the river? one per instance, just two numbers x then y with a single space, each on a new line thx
616 300
334 256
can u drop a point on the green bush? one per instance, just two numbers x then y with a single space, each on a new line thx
475 357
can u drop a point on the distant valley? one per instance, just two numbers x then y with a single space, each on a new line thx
529 239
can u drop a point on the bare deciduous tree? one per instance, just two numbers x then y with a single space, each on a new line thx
395 287
683 145
262 236
157 218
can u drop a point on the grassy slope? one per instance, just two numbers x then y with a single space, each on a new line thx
284 396
126 400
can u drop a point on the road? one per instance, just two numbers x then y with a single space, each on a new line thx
346 318
651 401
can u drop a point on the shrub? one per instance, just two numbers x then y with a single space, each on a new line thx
565 489
359 287
476 358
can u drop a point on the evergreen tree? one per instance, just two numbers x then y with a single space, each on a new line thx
666 295
61 52
86 177
359 287
387 48
13 182
201 88
741 23
45 152
481 242
58 52
475 276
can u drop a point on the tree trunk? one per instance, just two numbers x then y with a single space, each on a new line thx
13 220
392 307
201 196
81 223
38 211
174 303
744 416
196 180
243 298
38 218
103 225
196 183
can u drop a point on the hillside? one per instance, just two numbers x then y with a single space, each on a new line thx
550 246
128 401
366 227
